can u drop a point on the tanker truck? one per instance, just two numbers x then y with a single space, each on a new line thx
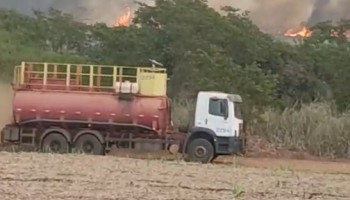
59 107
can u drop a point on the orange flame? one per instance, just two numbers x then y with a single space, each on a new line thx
124 20
305 32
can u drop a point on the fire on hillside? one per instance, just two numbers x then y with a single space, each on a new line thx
125 19
305 32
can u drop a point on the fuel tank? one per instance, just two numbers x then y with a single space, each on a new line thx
151 112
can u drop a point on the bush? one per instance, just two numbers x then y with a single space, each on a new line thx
183 112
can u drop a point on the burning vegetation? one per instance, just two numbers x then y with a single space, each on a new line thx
125 19
305 32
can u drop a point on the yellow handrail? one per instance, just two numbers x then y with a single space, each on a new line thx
43 75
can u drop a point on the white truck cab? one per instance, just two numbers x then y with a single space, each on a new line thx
218 127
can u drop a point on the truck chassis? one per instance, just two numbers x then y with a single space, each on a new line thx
196 146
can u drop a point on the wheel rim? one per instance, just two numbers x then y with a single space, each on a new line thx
88 147
55 146
200 151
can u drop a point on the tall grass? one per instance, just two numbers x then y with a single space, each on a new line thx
317 128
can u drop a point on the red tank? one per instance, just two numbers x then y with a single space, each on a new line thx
152 112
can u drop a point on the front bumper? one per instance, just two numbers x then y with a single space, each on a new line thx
230 145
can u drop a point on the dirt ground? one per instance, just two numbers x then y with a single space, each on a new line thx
36 176
48 176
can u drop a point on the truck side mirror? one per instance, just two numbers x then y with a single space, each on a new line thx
224 107
226 115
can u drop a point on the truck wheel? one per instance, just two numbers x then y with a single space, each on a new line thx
244 147
200 150
89 144
55 143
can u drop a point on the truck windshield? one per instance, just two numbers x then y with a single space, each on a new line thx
238 110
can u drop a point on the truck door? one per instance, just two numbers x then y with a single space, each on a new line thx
218 117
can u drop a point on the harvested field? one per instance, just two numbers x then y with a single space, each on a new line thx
47 176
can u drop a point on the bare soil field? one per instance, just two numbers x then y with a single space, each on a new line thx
71 176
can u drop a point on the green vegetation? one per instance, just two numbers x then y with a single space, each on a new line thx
314 128
288 89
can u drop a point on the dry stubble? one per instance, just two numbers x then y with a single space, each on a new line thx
46 176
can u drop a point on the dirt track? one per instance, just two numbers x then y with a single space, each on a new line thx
47 176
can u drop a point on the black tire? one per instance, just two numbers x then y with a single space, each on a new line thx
89 144
243 148
55 143
200 150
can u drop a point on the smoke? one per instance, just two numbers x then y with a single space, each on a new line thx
244 5
274 16
319 11
88 11
93 11
277 15
6 96
270 15
334 10
25 6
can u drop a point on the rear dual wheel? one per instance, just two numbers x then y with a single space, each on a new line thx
55 143
89 144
